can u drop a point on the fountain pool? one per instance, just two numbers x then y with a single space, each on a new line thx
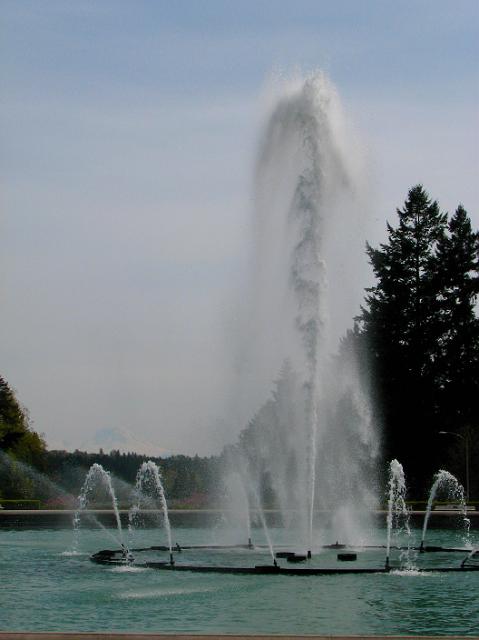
44 587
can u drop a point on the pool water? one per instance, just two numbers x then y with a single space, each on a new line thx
46 588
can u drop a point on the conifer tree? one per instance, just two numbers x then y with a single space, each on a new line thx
18 444
457 274
400 320
16 437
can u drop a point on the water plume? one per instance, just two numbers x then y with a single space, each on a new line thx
446 482
148 487
96 477
312 444
398 515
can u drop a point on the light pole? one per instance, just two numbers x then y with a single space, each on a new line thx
466 447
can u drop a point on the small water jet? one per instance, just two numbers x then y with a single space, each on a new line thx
149 485
97 476
397 514
454 491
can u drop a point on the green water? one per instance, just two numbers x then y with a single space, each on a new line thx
45 589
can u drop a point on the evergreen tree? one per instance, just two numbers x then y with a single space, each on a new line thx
401 321
20 444
16 436
457 273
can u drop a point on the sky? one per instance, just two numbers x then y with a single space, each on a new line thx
128 136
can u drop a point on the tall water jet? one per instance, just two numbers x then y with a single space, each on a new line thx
307 187
443 480
398 514
96 476
149 485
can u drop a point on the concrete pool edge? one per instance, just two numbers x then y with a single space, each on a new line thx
62 635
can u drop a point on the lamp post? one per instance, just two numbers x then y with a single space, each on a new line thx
466 447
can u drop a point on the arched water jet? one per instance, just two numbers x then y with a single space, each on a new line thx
149 484
455 491
95 477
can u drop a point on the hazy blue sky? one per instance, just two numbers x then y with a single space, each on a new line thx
128 132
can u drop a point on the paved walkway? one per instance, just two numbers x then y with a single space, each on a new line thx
156 636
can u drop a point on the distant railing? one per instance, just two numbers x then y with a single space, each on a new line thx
440 505
20 504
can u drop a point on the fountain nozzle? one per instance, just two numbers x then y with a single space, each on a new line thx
309 554
250 544
126 554
172 562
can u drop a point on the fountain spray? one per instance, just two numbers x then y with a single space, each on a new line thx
398 514
262 518
97 476
455 491
307 214
148 483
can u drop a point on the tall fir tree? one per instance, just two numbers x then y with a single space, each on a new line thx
18 444
401 322
457 273
17 438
